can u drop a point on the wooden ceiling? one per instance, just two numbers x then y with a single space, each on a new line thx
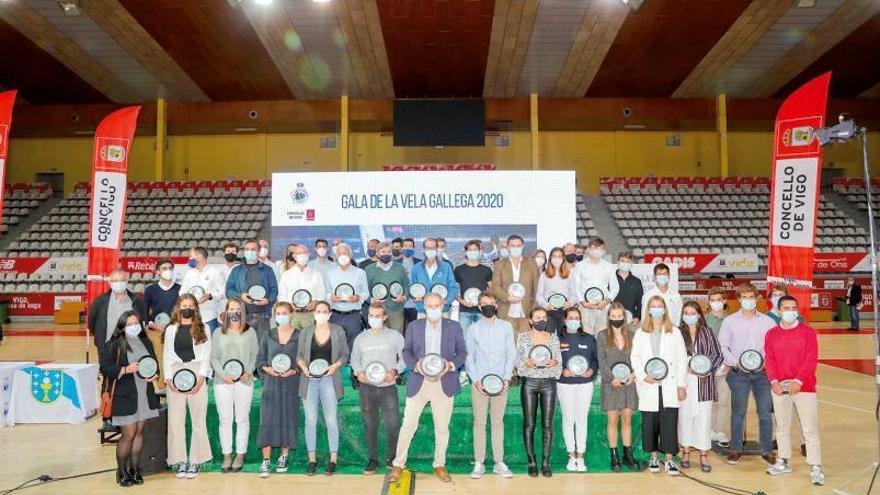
202 51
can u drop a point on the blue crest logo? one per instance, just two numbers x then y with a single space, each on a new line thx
299 195
46 384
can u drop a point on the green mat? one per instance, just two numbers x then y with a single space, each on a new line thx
459 458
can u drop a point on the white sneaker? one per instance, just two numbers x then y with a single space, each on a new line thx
817 477
580 465
671 468
781 467
265 467
572 465
181 470
502 470
479 471
193 471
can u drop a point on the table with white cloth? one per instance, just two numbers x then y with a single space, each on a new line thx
54 393
7 373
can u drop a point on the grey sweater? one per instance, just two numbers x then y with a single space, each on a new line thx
226 346
385 347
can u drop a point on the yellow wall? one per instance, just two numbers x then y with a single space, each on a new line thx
590 154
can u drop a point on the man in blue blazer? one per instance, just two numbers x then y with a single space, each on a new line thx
432 335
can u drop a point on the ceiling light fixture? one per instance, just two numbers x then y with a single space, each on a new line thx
263 2
633 4
69 7
806 4
321 1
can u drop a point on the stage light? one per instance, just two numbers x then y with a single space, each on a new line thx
840 133
321 1
69 7
263 2
633 4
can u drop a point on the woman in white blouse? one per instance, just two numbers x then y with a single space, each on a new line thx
187 345
556 279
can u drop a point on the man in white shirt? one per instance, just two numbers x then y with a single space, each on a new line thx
321 262
662 289
595 272
211 281
302 277
346 309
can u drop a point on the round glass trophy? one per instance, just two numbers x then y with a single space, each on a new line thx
516 289
234 368
751 361
376 372
578 365
700 365
395 289
379 291
656 368
318 368
621 371
557 301
162 319
301 299
148 367
540 354
197 291
184 380
440 290
281 363
594 295
257 292
492 384
344 291
472 296
433 365
417 290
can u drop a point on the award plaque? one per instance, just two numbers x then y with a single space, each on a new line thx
433 365
472 296
751 361
184 380
540 354
656 368
417 290
234 368
395 289
257 292
594 295
148 367
301 299
516 289
376 372
492 384
440 290
578 365
197 291
162 319
318 368
621 371
344 291
379 291
281 363
557 301
700 365
785 384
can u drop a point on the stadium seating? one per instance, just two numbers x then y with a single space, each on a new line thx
585 227
20 200
853 191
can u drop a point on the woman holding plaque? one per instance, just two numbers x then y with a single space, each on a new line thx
187 365
557 290
323 350
233 359
619 397
580 362
279 403
659 361
539 365
134 399
695 413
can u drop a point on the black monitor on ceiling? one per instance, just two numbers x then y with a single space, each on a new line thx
436 122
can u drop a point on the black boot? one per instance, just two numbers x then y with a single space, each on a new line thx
545 468
615 461
547 432
123 478
630 461
136 476
533 467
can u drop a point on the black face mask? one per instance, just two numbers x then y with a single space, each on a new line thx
571 258
488 311
385 258
580 257
291 257
396 252
187 313
234 316
616 323
230 257
540 325
371 253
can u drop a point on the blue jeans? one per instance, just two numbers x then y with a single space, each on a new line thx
466 319
854 317
741 384
321 391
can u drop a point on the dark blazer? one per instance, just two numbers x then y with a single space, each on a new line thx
98 315
855 295
125 399
452 348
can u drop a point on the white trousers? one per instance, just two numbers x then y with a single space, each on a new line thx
234 402
695 418
803 404
575 400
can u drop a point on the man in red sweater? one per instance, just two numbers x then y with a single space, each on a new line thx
791 355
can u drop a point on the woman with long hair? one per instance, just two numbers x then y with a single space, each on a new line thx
695 413
556 279
289 260
575 388
660 393
619 397
134 398
233 394
540 259
538 386
187 346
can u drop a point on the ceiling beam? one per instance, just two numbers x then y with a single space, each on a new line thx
512 24
872 92
362 34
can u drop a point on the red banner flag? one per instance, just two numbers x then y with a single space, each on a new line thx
794 195
107 215
7 100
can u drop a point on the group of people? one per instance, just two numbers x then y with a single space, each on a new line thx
550 323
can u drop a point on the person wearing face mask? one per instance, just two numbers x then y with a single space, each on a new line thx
346 310
372 257
264 252
247 275
540 259
384 345
288 262
556 279
397 248
742 331
515 268
386 271
490 350
160 297
571 257
471 275
209 278
503 250
619 398
776 294
409 261
236 340
538 388
279 401
325 341
576 390
579 252
433 271
695 412
187 345
791 352
134 399
431 335
595 271
663 289
322 262
105 309
631 290
854 301
721 407
442 254
230 261
302 277
659 400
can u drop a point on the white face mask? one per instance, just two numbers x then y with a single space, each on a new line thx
540 261
133 330
430 254
376 322
716 305
597 253
516 252
473 255
166 274
624 266
748 304
556 262
321 252
322 317
119 287
434 314
789 316
264 252
301 259
343 260
503 252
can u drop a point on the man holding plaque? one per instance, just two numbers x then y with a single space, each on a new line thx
206 283
425 340
252 275
490 351
302 277
515 269
742 334
432 272
594 272
347 287
377 360
386 272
